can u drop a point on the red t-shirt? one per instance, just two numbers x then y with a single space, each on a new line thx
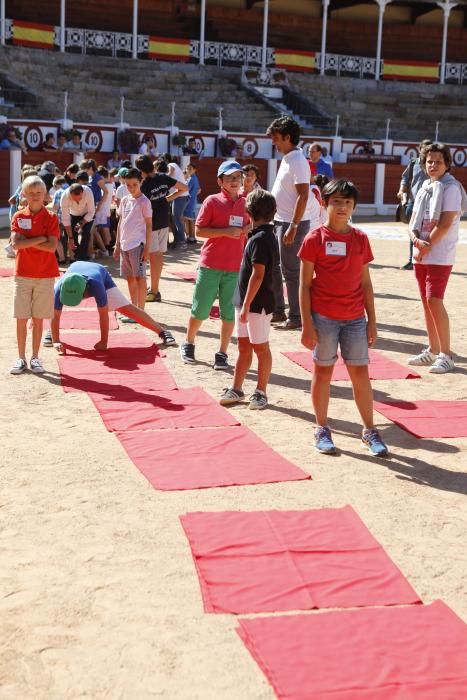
339 258
33 262
220 211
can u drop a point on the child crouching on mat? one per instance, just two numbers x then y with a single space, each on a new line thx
335 294
254 301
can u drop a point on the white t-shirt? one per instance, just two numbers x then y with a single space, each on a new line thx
293 170
122 191
444 251
176 172
133 212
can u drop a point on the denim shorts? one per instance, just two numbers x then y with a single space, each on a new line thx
350 336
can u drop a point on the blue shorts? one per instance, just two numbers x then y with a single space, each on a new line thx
350 336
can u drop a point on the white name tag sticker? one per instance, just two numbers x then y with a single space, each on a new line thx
25 224
336 248
236 221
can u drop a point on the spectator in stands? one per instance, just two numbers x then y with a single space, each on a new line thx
367 149
434 232
49 143
298 211
412 179
115 161
61 141
191 208
250 179
190 148
318 165
148 147
11 142
78 209
77 144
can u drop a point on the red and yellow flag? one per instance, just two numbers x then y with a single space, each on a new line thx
302 61
165 49
37 36
410 70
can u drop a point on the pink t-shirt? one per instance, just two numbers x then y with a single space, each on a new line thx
339 259
132 212
220 211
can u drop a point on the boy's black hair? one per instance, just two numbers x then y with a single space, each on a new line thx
193 165
133 174
161 166
250 166
321 181
102 170
89 164
145 164
126 164
82 176
285 126
73 168
261 205
48 136
344 187
113 172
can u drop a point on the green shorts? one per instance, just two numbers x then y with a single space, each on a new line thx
210 285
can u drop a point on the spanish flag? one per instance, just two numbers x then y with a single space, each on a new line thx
410 70
37 36
301 61
169 49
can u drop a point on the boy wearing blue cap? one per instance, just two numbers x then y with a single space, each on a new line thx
88 279
223 223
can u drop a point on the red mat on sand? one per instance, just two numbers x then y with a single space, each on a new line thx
291 560
174 460
152 378
144 410
427 419
7 271
188 276
82 343
380 367
86 320
415 653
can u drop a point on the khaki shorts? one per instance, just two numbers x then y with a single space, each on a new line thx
159 240
33 297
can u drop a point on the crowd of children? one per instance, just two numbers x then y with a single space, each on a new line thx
238 261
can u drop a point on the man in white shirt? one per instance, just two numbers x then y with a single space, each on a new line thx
298 212
78 210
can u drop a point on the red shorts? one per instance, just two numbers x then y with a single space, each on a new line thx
432 280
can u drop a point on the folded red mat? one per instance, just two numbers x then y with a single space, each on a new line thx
268 561
145 410
188 275
380 367
414 653
427 419
205 458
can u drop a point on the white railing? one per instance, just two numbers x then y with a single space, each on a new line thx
119 43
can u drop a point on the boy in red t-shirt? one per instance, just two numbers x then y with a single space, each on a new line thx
223 222
34 236
335 293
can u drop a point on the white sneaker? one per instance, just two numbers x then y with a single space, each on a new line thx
10 252
424 358
19 367
36 365
443 363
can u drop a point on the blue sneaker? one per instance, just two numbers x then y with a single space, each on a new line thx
323 441
371 439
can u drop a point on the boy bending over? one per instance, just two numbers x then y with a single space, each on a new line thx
335 293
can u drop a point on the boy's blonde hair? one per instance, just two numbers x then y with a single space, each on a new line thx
33 181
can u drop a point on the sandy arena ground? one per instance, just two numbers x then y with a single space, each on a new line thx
98 592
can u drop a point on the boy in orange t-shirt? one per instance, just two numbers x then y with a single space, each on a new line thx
34 236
